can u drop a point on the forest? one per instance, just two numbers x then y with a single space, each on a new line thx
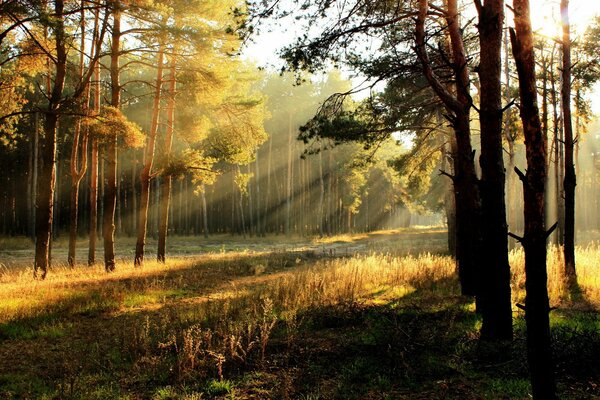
299 199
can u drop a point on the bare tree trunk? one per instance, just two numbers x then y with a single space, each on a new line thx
93 228
289 179
93 194
468 204
510 183
570 178
251 226
495 275
166 182
448 152
321 191
328 216
534 241
268 196
34 175
145 174
78 171
558 154
204 212
110 190
47 173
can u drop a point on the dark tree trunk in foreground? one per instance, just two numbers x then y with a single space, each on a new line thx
47 172
146 172
466 191
534 241
495 271
166 182
110 190
570 179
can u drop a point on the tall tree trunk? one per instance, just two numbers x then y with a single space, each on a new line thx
47 173
78 171
93 227
146 172
251 226
468 204
534 241
166 182
259 227
510 140
34 175
110 189
268 195
288 209
321 191
495 273
558 154
204 211
134 197
449 152
329 215
570 179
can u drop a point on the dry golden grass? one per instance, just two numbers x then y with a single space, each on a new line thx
202 315
588 275
325 281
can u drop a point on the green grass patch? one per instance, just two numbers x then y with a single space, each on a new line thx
153 296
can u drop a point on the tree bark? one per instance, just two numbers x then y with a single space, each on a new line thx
570 180
78 171
110 189
204 212
466 191
47 173
495 272
510 140
146 171
321 192
534 241
290 165
166 182
268 195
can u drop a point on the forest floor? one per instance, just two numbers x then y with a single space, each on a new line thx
373 316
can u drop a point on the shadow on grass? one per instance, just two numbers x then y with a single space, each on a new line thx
420 345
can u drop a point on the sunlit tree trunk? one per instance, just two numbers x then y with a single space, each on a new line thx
570 180
47 172
534 240
146 172
558 157
166 182
204 211
328 214
510 182
288 211
260 230
320 219
251 227
78 171
34 174
448 152
268 195
110 190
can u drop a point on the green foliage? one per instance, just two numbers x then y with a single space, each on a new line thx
218 387
112 121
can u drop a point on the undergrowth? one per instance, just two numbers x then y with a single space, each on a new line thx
281 325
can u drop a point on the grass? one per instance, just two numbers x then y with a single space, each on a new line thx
290 321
